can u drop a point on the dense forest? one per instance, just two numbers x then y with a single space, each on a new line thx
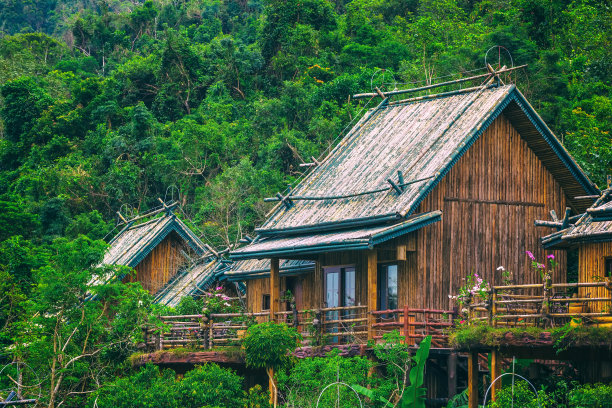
107 106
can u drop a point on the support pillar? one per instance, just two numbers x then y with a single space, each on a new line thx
495 372
451 365
473 380
372 267
274 288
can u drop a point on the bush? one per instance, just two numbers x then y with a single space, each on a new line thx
205 386
522 396
269 345
302 384
591 396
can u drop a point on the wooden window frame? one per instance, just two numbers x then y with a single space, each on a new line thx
265 300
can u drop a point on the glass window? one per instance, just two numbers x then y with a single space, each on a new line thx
349 287
387 287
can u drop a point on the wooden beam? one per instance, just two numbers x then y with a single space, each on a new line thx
473 380
401 253
274 288
372 270
495 372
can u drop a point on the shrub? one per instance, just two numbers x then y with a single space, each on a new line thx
521 396
302 384
591 396
269 345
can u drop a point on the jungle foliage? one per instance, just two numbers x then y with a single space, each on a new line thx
106 105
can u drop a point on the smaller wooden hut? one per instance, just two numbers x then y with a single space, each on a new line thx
162 249
591 234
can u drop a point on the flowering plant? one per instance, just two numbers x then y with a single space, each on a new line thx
545 272
474 286
216 301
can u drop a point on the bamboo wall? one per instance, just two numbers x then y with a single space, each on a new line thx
164 261
591 264
490 200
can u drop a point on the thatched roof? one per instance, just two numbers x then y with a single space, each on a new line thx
411 144
134 242
258 268
191 282
595 225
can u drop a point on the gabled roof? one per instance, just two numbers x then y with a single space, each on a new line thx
192 281
595 225
422 138
354 239
132 244
259 268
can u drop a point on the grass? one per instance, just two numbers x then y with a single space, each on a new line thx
471 337
230 351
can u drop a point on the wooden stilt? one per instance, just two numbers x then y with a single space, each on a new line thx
473 380
274 288
451 365
372 290
495 372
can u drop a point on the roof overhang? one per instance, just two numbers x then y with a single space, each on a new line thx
355 239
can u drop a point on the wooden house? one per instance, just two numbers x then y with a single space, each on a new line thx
591 234
168 259
419 194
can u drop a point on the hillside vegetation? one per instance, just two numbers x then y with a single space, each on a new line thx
110 105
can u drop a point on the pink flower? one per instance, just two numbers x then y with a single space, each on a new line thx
551 256
219 288
461 322
530 255
541 266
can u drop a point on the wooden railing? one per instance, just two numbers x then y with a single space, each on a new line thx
548 304
333 325
415 324
200 331
337 325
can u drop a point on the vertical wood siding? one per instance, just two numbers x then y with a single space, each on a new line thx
156 269
591 263
490 199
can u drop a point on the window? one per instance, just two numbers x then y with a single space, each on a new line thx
387 287
265 302
340 286
608 266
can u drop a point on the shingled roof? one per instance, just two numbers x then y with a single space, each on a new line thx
412 144
595 225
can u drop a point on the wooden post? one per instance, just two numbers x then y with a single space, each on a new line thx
473 380
494 308
274 288
211 334
372 296
451 365
406 325
495 372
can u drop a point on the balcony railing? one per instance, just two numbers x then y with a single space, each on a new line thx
544 305
335 326
415 324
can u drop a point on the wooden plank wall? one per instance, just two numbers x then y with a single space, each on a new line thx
164 261
490 200
591 263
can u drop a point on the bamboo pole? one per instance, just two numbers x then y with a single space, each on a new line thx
424 88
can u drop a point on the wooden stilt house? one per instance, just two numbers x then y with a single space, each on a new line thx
168 259
419 194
